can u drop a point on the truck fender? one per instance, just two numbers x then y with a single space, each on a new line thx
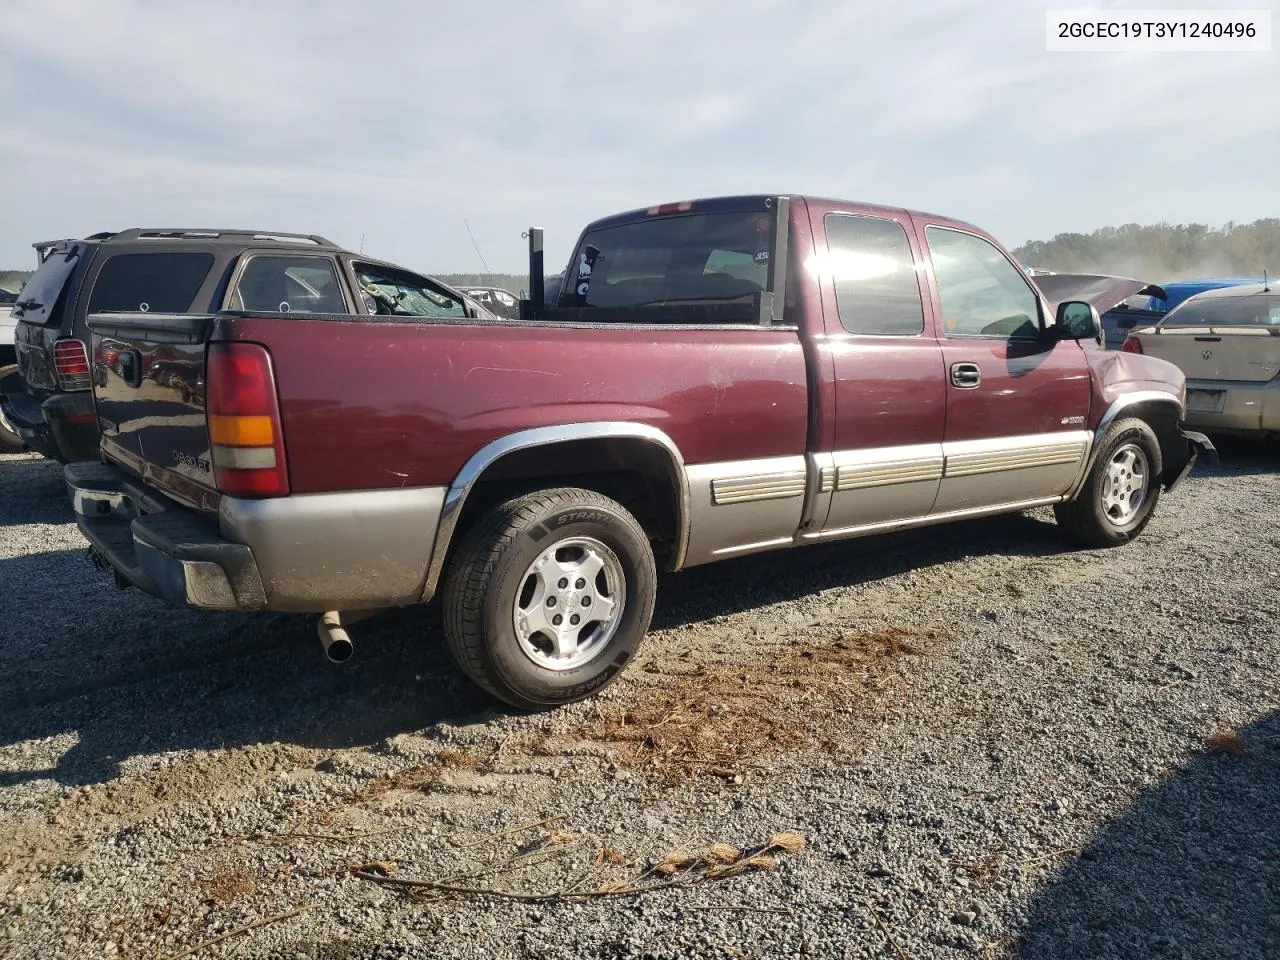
473 470
1136 404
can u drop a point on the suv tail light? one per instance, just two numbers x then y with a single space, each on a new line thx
1131 344
71 362
244 421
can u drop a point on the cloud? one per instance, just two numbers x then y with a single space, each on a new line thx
397 120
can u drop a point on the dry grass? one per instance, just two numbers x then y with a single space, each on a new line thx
984 871
1226 741
225 887
678 868
416 777
422 776
715 720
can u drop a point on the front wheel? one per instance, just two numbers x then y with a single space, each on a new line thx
549 596
1122 489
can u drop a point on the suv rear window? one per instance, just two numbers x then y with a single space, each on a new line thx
155 282
682 259
41 296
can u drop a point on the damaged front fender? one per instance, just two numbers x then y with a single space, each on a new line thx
1197 444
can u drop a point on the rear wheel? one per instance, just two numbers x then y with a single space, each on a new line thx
549 596
1122 489
10 442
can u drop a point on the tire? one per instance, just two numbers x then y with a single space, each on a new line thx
1105 513
501 594
10 442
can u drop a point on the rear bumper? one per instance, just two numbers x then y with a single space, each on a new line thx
1243 407
310 553
62 427
162 548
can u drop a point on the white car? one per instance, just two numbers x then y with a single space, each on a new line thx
9 439
1227 342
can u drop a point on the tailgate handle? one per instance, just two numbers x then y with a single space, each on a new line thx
1208 339
966 376
131 367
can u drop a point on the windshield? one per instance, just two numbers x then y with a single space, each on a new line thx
1250 310
684 259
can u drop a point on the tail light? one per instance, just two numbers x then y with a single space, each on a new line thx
666 209
244 421
1131 344
71 362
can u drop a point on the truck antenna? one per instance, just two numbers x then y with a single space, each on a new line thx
362 243
476 245
1266 284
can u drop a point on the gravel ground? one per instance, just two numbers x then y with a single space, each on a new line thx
993 745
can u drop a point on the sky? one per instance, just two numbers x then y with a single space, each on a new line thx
399 124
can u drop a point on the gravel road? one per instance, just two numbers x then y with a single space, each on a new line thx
993 746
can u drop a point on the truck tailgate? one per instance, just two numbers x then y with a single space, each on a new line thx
148 384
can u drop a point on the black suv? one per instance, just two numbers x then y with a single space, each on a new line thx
48 402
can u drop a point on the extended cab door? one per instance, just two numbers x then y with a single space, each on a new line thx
1017 400
885 460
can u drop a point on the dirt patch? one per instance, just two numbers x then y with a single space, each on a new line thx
714 720
422 777
92 812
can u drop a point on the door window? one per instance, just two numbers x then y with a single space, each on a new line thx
870 264
982 294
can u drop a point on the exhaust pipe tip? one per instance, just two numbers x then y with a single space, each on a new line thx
339 651
337 644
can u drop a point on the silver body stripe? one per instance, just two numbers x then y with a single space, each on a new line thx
884 474
770 486
1013 453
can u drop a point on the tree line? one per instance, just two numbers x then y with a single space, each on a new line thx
1162 251
13 279
1157 252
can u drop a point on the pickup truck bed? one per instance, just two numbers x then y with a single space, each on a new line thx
715 378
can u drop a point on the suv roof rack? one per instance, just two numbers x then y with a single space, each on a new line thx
206 233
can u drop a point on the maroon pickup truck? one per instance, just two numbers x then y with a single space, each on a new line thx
715 378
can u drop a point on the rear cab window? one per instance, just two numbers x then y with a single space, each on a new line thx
698 256
149 282
271 283
873 272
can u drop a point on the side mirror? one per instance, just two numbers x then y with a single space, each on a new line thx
1078 320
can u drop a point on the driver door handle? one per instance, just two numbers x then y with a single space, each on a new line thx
966 376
